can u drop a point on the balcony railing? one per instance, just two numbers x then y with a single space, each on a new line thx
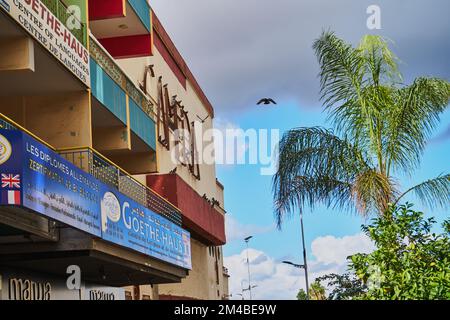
107 63
60 10
106 171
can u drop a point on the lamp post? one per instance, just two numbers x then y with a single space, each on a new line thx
248 267
305 265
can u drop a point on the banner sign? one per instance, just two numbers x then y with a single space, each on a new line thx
129 224
37 178
51 33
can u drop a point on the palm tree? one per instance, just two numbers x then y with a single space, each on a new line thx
380 127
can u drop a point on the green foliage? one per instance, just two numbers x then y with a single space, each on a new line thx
301 295
317 291
381 126
343 287
411 262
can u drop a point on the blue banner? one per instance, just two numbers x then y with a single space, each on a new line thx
129 224
36 177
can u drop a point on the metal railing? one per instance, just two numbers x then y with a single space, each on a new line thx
109 173
61 11
107 63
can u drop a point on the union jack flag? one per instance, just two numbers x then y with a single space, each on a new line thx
10 181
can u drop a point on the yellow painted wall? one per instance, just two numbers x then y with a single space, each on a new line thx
61 120
17 54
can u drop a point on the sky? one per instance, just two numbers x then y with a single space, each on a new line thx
241 51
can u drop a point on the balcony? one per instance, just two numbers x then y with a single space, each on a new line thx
29 66
122 115
123 27
204 219
106 62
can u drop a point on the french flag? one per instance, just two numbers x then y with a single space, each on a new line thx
11 197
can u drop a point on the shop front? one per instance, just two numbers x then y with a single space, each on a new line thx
25 285
54 215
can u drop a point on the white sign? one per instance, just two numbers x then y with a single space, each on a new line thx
93 292
43 25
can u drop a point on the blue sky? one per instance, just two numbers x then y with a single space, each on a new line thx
248 198
248 195
241 51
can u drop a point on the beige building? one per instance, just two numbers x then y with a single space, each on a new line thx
110 97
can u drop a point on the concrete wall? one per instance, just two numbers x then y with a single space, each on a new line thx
203 282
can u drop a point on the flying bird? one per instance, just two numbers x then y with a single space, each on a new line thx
266 101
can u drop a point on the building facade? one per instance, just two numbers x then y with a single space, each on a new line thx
99 158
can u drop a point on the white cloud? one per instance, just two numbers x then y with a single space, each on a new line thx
276 280
330 249
238 231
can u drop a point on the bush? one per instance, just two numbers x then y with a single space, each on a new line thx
410 261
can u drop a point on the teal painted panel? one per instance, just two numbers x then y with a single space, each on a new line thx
142 125
142 9
108 92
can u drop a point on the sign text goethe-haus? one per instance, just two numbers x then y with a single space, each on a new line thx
39 179
51 33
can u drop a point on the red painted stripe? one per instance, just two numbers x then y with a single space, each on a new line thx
106 9
173 65
198 216
129 46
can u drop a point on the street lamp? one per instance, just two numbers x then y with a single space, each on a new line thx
300 266
248 267
305 265
240 294
249 288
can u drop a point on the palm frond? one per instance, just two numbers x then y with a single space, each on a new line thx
434 192
352 87
410 121
311 191
325 163
381 63
372 192
340 75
